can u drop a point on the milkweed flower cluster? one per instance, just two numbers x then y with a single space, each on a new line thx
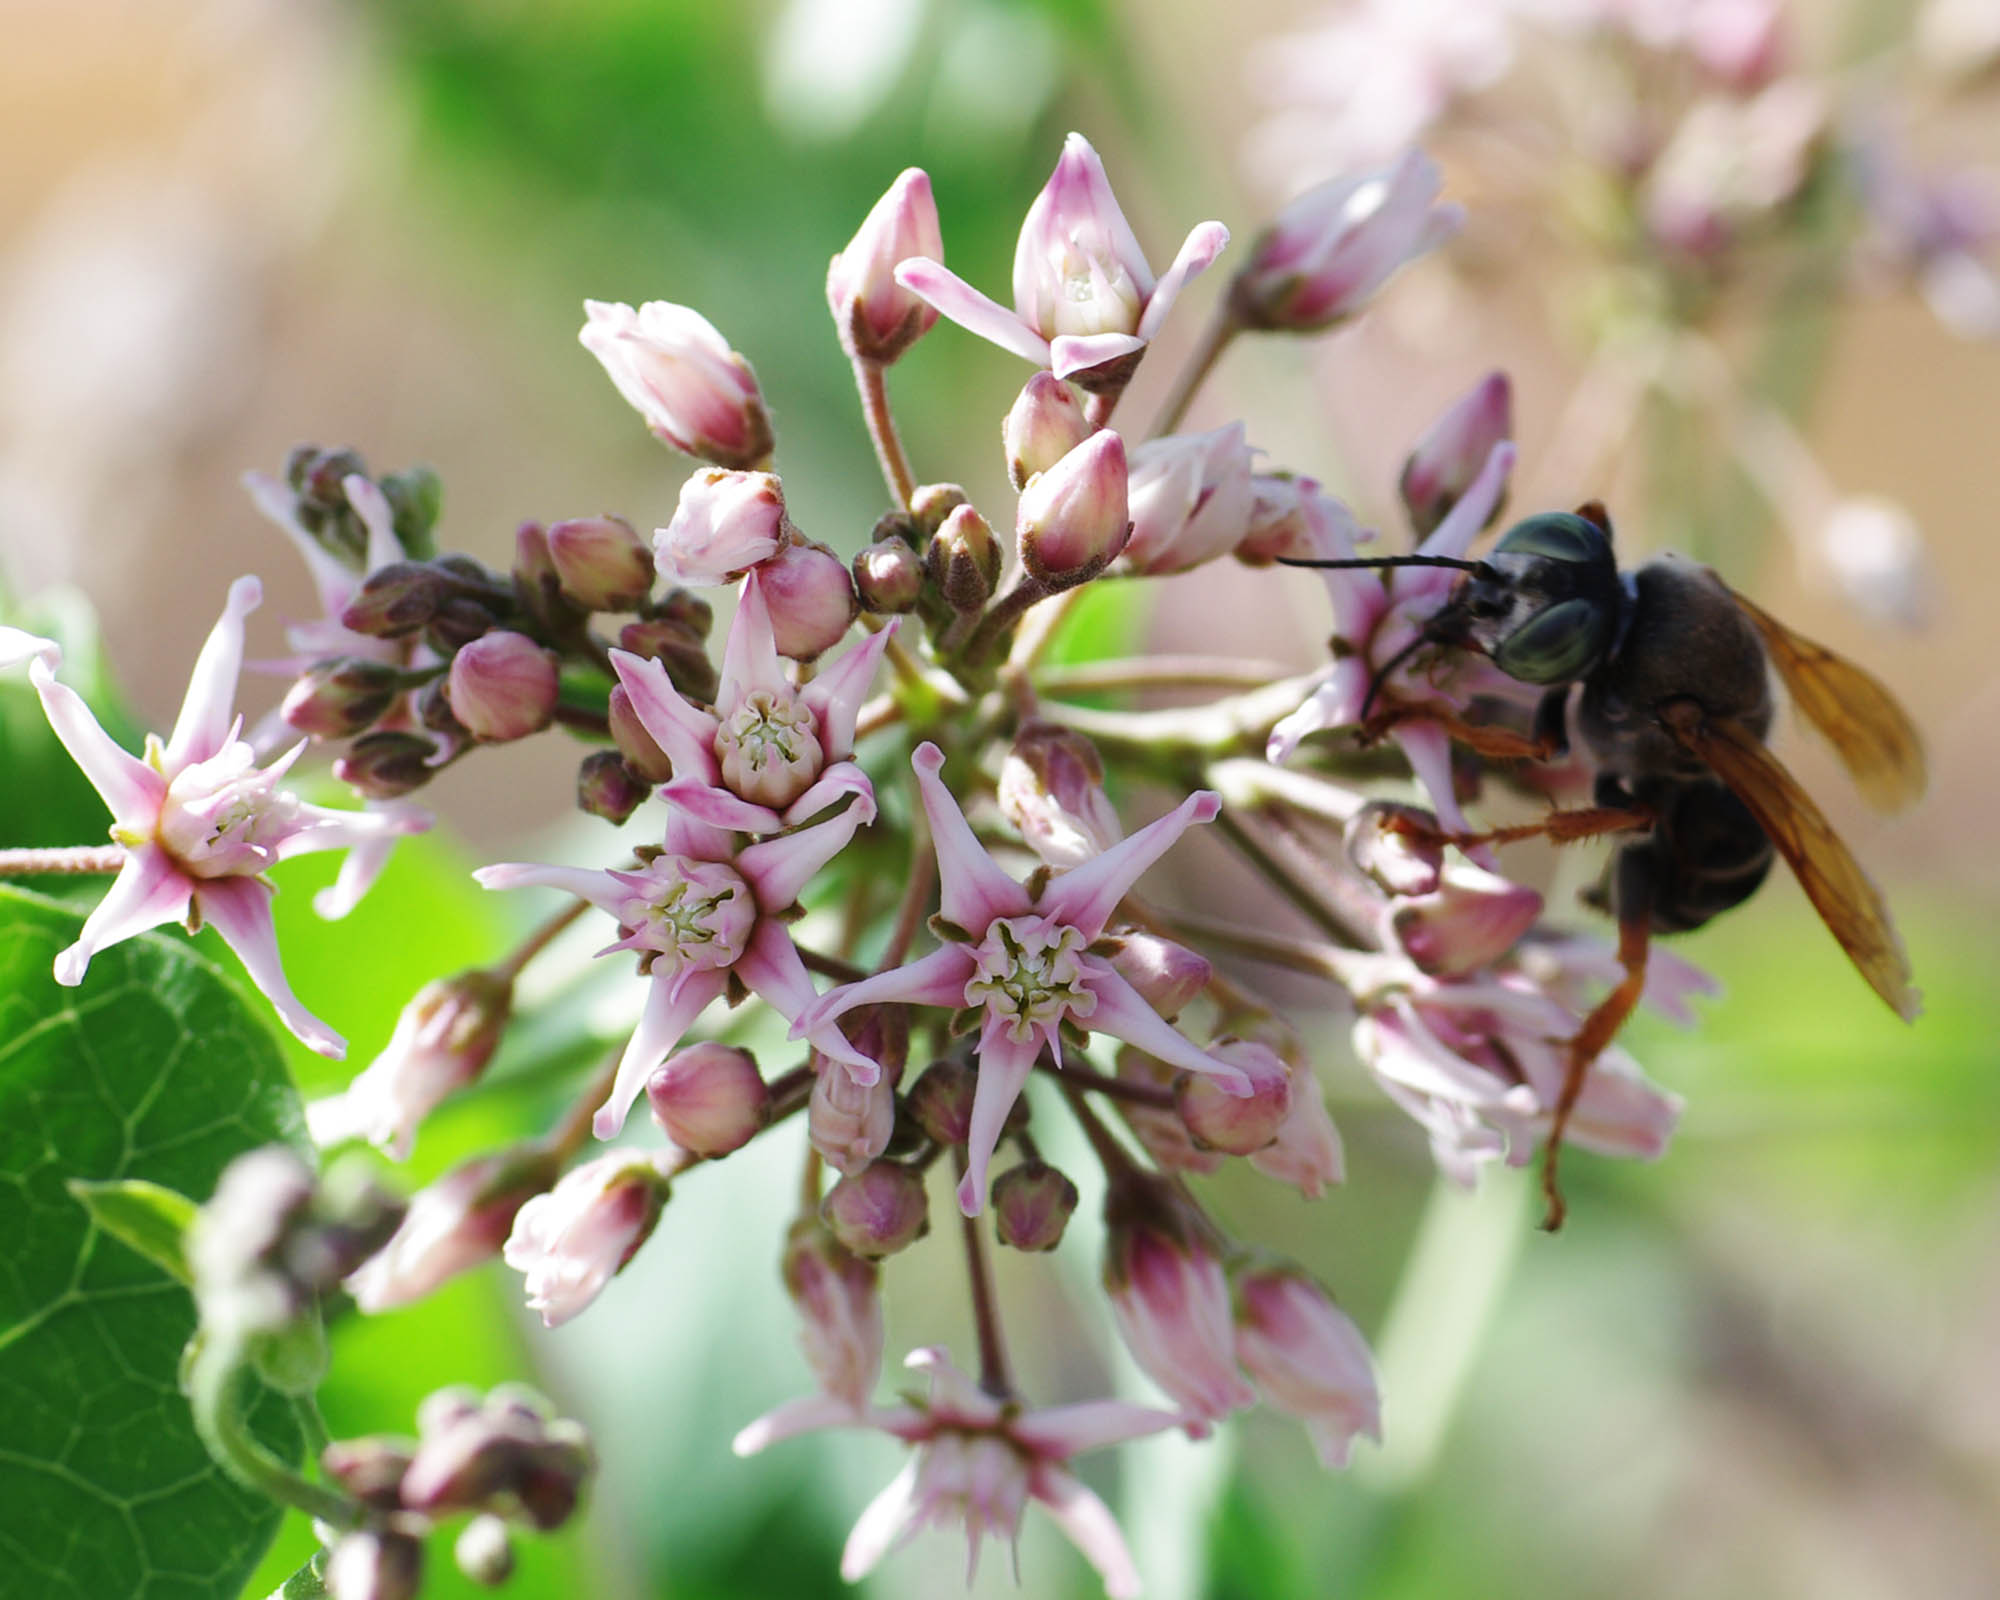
891 718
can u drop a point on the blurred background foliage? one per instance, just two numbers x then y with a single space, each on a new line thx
1762 1367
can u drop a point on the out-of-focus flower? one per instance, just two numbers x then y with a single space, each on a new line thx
1307 1153
1045 423
571 1241
1731 163
503 686
1470 918
201 824
453 1225
1877 555
678 373
602 564
1308 1359
444 1037
769 756
1024 961
1959 37
1073 518
18 647
1191 498
709 1098
338 583
1378 616
1290 516
1168 1293
507 1453
1327 252
980 1459
1084 298
878 319
1052 790
725 524
1936 229
1448 457
810 597
699 913
367 1564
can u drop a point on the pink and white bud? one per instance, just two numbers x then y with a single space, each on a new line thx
1159 1127
484 1551
889 576
454 1225
1470 920
1450 455
338 699
503 686
1290 516
1167 975
1309 1360
1052 790
1236 1125
606 787
811 598
879 1210
602 564
941 1100
879 319
964 559
840 1311
709 1098
571 1241
1032 1205
640 749
443 1039
1307 1153
1171 1300
385 765
679 374
1074 517
1190 499
1327 252
1045 423
726 523
849 1123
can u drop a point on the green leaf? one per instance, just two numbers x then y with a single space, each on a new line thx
150 1217
157 1069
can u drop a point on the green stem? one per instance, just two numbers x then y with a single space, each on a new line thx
215 1393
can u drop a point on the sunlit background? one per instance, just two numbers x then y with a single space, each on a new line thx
1765 1366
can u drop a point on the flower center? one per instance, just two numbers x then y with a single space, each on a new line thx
1096 294
769 749
223 818
1029 972
695 915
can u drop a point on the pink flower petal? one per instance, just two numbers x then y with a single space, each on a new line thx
835 695
1454 535
334 583
842 778
1090 1527
17 646
1428 749
805 1414
1123 1013
1071 353
750 658
209 709
1197 253
240 909
938 979
671 1007
889 1519
778 869
148 891
586 883
372 506
688 835
1004 1065
972 889
719 808
931 282
771 967
1060 1432
1077 201
685 735
133 790
1086 896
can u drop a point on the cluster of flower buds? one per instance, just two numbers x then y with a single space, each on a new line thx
502 1460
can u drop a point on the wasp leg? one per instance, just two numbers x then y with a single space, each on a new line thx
1634 888
1502 744
1559 827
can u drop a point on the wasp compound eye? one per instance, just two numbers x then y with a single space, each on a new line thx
1558 645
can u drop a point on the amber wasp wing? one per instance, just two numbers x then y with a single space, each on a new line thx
1850 905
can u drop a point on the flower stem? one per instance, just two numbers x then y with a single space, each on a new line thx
518 958
1112 1156
916 895
215 1394
1159 672
831 966
1222 329
994 1375
1279 863
1002 615
71 861
1139 1094
872 379
569 1135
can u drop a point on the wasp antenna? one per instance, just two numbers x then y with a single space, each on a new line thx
1479 567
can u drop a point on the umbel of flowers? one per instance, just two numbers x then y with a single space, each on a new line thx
1029 963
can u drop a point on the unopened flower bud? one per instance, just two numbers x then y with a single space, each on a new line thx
726 523
931 503
879 1210
641 751
1159 1128
709 1098
1307 1153
381 766
503 686
811 599
537 585
964 560
1308 1358
338 699
1167 975
878 319
1397 846
840 1311
940 1101
397 600
367 1565
1472 918
1451 454
1190 499
607 788
1291 516
369 1469
1052 791
571 1241
1334 246
889 576
1236 1124
678 647
1074 517
433 703
484 1551
847 1123
505 1453
679 373
1031 1206
603 564
1168 1294
1045 423
458 620
454 1224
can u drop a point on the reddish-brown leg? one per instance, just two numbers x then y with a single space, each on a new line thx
1502 744
1560 827
1598 1030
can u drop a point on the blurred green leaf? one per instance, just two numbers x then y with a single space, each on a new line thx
149 1217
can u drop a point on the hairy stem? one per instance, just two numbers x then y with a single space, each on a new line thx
518 958
1222 329
71 861
872 379
994 1375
